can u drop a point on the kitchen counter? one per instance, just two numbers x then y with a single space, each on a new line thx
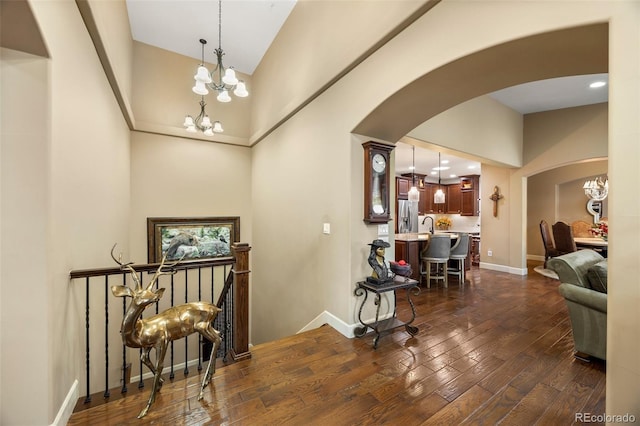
409 246
414 236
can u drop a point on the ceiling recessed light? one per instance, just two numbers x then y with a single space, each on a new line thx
453 175
441 168
597 84
445 161
434 173
471 167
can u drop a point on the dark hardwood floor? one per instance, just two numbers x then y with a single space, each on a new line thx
498 351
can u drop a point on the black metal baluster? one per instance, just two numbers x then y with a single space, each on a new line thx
212 283
200 339
186 339
229 318
107 393
172 373
124 347
87 348
141 381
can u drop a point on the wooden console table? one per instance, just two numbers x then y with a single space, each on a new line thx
386 326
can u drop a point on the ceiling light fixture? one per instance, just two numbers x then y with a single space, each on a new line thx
596 189
226 77
202 122
438 197
414 194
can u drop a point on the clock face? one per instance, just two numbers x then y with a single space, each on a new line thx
379 163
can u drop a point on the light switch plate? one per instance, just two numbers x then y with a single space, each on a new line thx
383 229
326 228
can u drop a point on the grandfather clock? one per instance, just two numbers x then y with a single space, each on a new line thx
376 182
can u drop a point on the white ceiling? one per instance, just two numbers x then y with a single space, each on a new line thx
554 93
249 27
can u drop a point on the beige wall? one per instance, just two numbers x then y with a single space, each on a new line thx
173 177
515 19
565 135
72 189
161 74
25 286
112 28
481 127
554 139
309 171
493 235
320 56
557 195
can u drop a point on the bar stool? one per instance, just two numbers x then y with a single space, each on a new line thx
436 252
459 253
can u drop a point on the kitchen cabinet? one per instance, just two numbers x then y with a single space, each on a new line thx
470 195
402 188
475 250
425 205
454 199
440 207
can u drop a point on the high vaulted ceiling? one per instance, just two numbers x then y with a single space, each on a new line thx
249 27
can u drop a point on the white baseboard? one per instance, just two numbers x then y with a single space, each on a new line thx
342 327
176 367
66 409
503 268
537 257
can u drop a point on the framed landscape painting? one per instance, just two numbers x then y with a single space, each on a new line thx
191 238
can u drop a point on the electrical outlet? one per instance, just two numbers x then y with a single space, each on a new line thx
326 228
489 253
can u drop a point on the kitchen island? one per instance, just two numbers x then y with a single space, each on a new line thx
408 247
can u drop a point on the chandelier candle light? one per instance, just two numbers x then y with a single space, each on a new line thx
596 189
226 77
226 81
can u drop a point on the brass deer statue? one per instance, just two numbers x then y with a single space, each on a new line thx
159 330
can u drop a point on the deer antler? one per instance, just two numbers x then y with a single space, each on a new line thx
163 270
127 267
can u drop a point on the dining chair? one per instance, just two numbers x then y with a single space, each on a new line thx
563 238
436 253
547 241
581 229
458 253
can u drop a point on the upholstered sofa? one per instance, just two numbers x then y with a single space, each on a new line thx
583 284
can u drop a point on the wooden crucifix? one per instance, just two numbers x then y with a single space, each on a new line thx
495 197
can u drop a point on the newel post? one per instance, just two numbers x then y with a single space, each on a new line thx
241 272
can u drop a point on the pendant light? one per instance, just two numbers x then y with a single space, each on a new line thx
438 197
414 194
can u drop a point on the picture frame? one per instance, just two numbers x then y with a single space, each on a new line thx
194 238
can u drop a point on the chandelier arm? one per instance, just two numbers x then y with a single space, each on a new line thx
220 85
198 120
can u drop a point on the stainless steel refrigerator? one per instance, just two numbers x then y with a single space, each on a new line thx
407 216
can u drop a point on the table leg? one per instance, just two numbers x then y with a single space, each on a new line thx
412 330
361 331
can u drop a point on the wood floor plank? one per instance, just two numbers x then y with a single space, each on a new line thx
455 412
498 350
